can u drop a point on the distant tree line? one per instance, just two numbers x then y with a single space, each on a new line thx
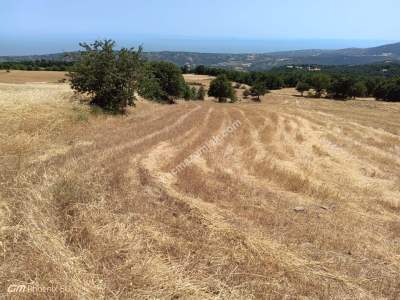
271 81
37 65
342 83
112 78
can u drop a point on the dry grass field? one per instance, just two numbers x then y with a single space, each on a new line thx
301 199
16 76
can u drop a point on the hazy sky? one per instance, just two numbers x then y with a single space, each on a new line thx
56 20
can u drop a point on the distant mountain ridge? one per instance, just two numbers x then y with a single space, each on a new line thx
256 61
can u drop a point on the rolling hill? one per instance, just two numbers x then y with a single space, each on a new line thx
257 61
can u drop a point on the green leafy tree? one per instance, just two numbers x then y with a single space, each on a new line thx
189 93
320 83
222 89
108 76
358 90
170 80
193 93
201 93
149 86
341 87
345 88
302 87
186 69
393 93
380 91
259 89
271 81
371 84
388 90
200 70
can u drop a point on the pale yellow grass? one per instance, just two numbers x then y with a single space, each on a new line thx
89 203
204 80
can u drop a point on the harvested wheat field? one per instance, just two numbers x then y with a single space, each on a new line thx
290 198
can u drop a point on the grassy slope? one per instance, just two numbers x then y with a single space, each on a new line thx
89 204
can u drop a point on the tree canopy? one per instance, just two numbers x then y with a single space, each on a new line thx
302 87
320 83
108 76
222 89
259 89
162 81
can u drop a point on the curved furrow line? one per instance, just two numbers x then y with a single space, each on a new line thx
356 167
95 141
129 130
311 189
344 131
253 133
364 131
221 219
156 161
364 152
354 171
117 151
202 130
217 146
176 138
271 170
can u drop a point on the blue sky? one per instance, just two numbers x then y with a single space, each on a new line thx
55 21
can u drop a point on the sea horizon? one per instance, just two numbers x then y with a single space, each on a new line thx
14 46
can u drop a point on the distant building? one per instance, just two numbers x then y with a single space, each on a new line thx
313 69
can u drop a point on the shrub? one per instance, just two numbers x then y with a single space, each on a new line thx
259 89
108 76
302 87
201 93
189 93
193 92
222 89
